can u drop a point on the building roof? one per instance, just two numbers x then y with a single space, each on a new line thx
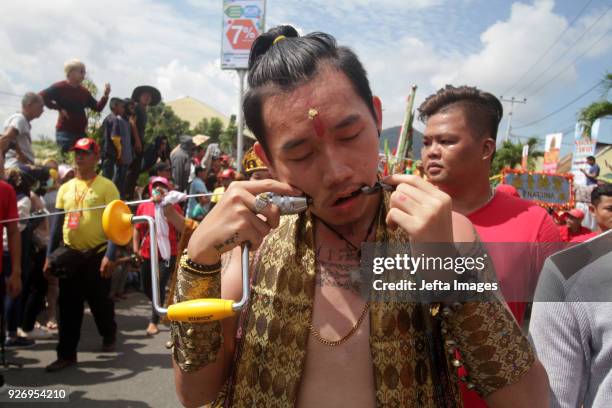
193 111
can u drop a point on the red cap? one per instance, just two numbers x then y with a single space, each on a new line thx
86 144
576 213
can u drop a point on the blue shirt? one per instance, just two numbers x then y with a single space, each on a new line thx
197 187
594 169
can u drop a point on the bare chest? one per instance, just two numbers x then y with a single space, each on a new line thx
338 375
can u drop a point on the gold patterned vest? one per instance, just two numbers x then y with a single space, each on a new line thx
413 366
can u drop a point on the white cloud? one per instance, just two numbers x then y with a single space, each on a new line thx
176 47
508 48
205 82
146 42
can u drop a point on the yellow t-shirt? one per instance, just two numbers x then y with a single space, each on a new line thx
216 198
88 234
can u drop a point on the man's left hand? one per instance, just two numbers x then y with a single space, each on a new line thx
420 209
106 268
107 90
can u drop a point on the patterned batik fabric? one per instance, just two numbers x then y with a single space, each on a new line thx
414 350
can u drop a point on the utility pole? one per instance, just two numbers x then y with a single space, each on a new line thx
512 101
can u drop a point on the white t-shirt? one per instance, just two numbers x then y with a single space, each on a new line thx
24 140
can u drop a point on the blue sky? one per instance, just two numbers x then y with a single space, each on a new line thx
176 45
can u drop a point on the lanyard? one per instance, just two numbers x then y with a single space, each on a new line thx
78 199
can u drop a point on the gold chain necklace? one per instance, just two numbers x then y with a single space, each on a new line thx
315 333
333 343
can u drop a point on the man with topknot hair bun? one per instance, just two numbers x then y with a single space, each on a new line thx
307 338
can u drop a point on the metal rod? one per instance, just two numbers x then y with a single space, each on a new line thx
154 262
245 279
99 207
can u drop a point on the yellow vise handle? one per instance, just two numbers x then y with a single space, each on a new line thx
201 310
118 223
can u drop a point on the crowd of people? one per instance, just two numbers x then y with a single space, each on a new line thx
57 263
45 297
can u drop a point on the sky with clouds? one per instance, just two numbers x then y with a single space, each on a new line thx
175 46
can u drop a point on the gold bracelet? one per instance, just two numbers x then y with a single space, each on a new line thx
195 345
199 269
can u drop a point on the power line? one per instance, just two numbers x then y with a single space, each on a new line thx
561 108
589 28
549 48
569 65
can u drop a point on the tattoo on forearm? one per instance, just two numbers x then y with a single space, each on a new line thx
230 241
225 261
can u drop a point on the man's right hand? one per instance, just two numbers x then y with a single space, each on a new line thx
234 221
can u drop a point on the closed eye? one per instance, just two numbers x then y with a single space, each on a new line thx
346 139
303 158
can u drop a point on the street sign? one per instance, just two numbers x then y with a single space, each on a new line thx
243 21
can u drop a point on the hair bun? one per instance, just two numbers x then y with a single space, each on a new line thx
264 42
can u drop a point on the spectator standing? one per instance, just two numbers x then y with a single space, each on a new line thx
458 147
117 145
166 243
572 227
601 209
22 310
10 285
157 152
161 169
64 174
17 131
70 98
592 172
181 162
197 207
88 273
144 96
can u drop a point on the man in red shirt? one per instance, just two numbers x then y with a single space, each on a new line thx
572 228
70 98
458 147
601 208
8 210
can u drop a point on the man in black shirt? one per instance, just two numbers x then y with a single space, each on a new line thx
144 95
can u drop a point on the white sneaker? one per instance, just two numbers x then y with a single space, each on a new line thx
36 333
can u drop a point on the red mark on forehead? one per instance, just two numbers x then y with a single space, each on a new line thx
317 123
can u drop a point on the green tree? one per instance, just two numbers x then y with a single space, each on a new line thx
598 109
94 122
212 128
511 154
215 128
201 128
162 121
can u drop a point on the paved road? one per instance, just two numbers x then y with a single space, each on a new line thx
138 374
